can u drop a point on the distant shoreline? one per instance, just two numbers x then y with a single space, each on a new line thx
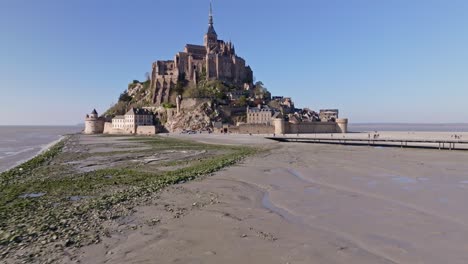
43 149
48 126
405 123
409 127
353 127
19 144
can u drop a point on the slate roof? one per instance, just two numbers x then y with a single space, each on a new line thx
211 30
193 46
138 111
264 108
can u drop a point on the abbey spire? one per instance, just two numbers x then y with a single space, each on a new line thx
211 38
210 22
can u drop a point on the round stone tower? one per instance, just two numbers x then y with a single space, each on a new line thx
93 124
342 125
279 125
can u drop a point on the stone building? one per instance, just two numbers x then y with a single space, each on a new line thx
133 119
214 60
93 123
260 115
328 115
287 102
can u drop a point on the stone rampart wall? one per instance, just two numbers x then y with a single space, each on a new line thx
107 127
312 127
146 130
255 129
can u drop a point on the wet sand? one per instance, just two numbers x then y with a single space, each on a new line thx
21 143
304 203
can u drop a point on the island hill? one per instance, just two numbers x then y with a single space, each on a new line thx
208 88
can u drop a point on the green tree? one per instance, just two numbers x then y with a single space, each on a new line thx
267 95
168 105
124 97
219 89
242 101
261 91
259 84
203 74
181 84
179 88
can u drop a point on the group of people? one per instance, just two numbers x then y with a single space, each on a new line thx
456 136
375 136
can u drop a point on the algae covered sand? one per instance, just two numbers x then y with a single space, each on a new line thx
62 198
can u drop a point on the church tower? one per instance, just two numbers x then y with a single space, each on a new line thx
211 38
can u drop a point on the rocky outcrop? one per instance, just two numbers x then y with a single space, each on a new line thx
135 89
140 92
195 114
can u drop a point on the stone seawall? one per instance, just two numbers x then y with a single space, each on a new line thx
312 127
146 130
281 127
255 129
107 128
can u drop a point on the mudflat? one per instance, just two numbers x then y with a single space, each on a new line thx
74 193
303 203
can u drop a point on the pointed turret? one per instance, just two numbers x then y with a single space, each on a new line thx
93 114
211 29
211 37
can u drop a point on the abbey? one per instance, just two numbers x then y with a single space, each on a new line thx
215 60
208 88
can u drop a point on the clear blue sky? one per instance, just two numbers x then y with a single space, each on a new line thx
377 61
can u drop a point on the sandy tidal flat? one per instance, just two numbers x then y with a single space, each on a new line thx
303 203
